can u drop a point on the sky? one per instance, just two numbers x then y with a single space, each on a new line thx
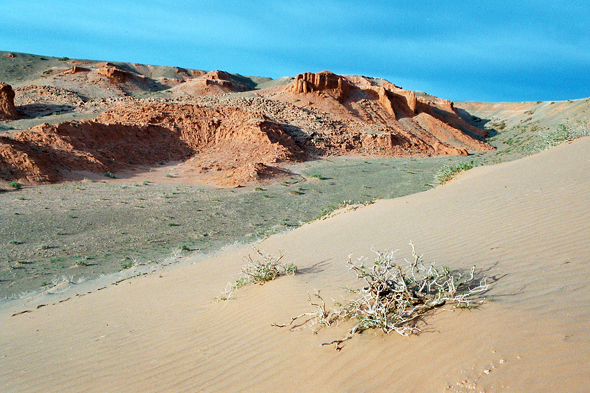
493 51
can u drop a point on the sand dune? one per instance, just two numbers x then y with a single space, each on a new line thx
525 223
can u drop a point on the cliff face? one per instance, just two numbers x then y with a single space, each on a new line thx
384 119
131 135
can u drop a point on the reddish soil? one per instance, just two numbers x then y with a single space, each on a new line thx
227 140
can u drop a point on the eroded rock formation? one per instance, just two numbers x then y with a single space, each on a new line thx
230 139
7 108
324 81
210 83
114 74
76 69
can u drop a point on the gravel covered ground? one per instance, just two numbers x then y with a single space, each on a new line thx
84 229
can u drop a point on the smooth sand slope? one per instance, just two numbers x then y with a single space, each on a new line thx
525 223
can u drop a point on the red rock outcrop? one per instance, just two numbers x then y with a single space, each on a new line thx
385 101
76 69
378 117
210 84
324 81
232 140
396 101
445 110
218 75
410 96
115 75
7 108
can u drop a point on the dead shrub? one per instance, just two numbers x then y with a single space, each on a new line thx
393 296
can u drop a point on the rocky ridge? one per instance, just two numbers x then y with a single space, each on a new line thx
219 124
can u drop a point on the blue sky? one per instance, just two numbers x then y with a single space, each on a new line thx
461 50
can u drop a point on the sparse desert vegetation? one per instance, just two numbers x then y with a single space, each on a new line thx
14 184
562 133
448 172
259 270
125 218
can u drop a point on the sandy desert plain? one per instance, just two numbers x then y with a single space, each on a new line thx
130 195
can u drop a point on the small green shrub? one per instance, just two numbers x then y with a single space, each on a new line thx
448 172
14 184
266 268
110 174
127 265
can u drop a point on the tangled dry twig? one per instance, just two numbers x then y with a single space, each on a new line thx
395 297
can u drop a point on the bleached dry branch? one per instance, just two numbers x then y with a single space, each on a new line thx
394 297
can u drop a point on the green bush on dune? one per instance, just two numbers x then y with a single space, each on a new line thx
448 172
562 133
266 268
15 185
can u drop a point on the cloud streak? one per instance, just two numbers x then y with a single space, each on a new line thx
457 50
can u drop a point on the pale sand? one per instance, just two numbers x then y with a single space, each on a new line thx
526 223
